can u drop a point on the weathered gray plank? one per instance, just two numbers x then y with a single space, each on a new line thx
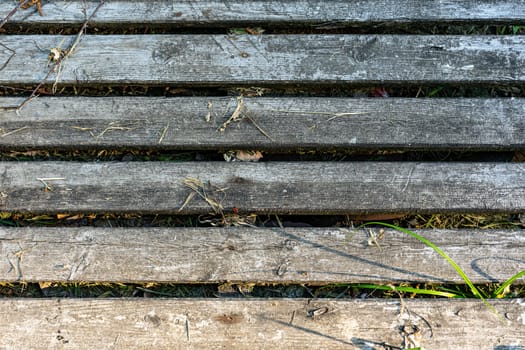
292 123
268 59
313 187
245 255
258 324
270 12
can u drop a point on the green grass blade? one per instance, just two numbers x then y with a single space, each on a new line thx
499 293
7 223
408 290
456 267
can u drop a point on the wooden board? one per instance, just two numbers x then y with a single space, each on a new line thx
270 12
278 187
258 324
290 123
211 60
251 255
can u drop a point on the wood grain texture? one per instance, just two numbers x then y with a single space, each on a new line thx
251 255
287 188
258 324
211 60
271 12
291 123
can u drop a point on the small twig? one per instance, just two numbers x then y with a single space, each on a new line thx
239 114
14 131
198 188
12 12
19 255
279 221
337 115
112 128
292 318
13 54
72 48
35 91
372 239
163 133
408 179
61 58
44 180
333 115
261 130
109 128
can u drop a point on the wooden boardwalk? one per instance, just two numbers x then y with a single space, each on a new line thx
310 45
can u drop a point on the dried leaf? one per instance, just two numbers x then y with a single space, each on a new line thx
249 156
243 156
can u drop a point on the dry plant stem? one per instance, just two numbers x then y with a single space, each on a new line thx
13 53
61 59
238 115
80 33
163 133
14 131
261 130
4 21
13 11
198 188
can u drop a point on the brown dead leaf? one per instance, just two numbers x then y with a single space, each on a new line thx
519 156
243 156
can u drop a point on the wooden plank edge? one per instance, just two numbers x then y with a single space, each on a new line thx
307 188
253 255
267 60
274 124
297 12
259 324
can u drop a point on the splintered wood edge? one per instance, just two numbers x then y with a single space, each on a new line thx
278 124
251 255
219 13
258 324
225 60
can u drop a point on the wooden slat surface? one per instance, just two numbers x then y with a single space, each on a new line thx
258 324
270 12
291 123
268 59
277 187
245 255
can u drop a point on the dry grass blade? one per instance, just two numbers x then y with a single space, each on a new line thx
14 131
61 59
198 188
163 133
239 114
236 115
261 130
